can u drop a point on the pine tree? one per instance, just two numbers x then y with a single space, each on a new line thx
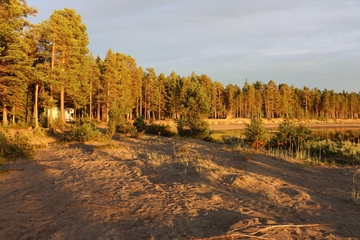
218 96
100 96
238 101
284 100
67 41
249 99
255 133
173 92
94 85
110 78
194 108
161 95
150 95
325 103
306 98
271 99
229 100
15 66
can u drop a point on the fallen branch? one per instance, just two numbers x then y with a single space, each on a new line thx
252 235
230 236
287 226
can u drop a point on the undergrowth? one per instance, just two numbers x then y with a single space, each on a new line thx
14 144
157 129
355 193
83 131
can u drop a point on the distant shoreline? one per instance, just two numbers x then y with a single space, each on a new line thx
275 125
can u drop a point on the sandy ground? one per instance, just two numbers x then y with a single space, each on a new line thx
160 188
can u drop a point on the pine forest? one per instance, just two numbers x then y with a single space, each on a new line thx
49 65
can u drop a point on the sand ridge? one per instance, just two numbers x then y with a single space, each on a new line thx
170 188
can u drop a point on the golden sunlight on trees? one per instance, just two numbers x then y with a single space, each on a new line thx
48 66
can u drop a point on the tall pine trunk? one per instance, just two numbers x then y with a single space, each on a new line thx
62 104
36 118
13 115
5 119
107 105
98 110
90 107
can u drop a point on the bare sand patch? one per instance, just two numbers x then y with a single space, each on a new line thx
170 188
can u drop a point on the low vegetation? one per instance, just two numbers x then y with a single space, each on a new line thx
18 143
297 142
82 131
153 128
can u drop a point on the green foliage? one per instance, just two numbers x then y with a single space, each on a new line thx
12 146
125 127
291 136
329 151
153 128
83 131
194 108
15 64
160 129
255 133
140 124
349 135
196 128
300 142
117 120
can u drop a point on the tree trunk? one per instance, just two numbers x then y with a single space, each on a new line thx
36 115
51 96
90 107
108 106
98 110
5 119
51 114
13 115
159 110
62 105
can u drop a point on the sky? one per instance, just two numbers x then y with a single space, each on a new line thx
313 43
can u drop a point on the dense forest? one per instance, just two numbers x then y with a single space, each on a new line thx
49 65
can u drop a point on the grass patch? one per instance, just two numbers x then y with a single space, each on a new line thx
355 193
107 146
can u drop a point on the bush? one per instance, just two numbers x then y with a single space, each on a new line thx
291 137
12 147
125 127
329 151
255 133
341 136
140 124
196 128
159 129
82 131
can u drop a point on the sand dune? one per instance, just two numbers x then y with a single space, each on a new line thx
160 188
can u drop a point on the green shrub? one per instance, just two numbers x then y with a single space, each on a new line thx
140 124
255 133
195 128
82 131
12 147
291 137
126 127
159 129
329 151
348 135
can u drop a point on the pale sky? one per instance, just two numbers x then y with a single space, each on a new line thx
313 43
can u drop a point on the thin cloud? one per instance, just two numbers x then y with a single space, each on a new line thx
310 42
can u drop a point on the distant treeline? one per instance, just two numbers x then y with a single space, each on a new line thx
49 65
